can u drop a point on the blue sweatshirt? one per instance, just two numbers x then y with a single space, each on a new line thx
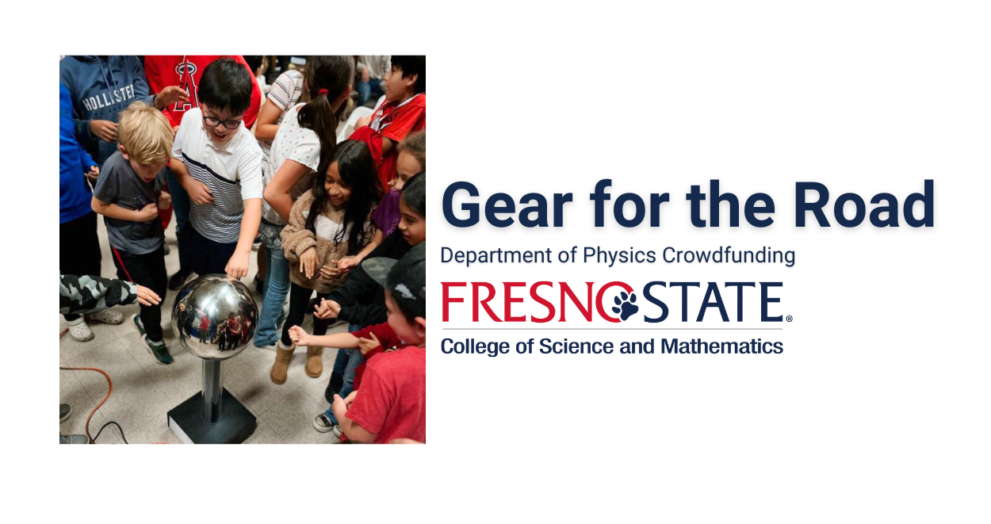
74 193
100 88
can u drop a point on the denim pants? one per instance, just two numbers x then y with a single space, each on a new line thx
347 361
276 289
181 205
366 89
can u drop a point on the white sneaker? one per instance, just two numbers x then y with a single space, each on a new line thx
78 330
107 316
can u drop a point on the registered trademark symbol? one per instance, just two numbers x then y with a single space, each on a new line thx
788 318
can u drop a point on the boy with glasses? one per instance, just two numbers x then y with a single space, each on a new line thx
218 162
185 71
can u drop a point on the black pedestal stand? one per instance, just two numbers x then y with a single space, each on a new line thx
212 416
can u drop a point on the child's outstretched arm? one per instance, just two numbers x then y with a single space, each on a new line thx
89 294
349 263
237 266
337 340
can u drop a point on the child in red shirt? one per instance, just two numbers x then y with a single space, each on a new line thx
403 112
184 71
392 400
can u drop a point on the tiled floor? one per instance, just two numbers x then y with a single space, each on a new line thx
144 391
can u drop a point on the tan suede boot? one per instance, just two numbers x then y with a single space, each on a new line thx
314 361
281 366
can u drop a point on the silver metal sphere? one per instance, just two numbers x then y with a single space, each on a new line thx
214 317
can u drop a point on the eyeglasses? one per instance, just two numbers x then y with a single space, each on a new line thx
214 122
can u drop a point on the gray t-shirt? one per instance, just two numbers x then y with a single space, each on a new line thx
119 184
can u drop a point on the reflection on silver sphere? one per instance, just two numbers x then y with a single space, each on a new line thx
214 317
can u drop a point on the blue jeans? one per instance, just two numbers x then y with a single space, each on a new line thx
346 363
365 89
276 289
181 205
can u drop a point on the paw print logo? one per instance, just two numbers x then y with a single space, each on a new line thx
625 308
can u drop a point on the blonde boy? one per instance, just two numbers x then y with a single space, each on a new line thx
128 195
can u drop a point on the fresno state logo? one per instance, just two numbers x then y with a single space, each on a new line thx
554 301
186 71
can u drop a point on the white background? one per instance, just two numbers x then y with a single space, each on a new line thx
877 409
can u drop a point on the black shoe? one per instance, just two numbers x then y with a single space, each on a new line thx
177 280
333 386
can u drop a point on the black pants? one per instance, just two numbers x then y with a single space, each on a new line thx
203 255
79 249
299 302
148 271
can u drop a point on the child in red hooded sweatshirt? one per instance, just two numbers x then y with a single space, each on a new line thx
403 112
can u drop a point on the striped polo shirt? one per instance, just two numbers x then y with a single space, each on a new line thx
232 171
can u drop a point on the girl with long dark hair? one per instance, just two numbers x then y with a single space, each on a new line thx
307 132
326 224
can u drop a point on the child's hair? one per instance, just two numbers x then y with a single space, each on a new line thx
416 145
413 65
145 134
254 62
226 85
326 78
414 194
357 169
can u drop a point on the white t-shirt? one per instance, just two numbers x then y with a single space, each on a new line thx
231 171
292 142
284 93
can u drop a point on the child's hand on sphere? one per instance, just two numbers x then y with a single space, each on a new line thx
237 266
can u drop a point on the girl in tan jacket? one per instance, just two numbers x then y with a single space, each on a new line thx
327 223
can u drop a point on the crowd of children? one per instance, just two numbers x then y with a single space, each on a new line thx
141 139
